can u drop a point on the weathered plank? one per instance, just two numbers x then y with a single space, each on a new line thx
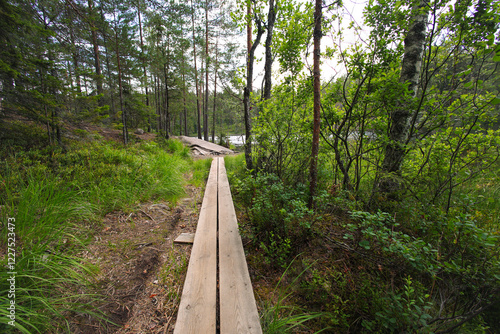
238 311
205 145
185 238
197 309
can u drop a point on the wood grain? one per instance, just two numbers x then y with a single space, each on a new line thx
197 309
238 311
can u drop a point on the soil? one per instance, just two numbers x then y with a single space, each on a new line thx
141 270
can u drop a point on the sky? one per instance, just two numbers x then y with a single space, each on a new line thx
352 10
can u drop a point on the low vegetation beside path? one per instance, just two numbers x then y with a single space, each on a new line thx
59 201
343 269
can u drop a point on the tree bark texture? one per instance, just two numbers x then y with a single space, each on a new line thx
317 103
215 86
124 115
198 110
207 62
143 60
248 90
271 18
401 116
95 44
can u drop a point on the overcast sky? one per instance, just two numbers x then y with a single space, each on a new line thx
352 10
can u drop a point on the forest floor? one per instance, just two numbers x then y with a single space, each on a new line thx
141 270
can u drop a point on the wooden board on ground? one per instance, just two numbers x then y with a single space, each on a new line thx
205 146
197 309
185 238
238 311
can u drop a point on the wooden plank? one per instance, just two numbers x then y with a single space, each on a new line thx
185 238
238 311
197 309
205 145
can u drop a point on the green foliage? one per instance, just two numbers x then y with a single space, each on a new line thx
292 35
47 237
278 317
201 169
55 198
275 210
380 229
175 147
282 131
406 311
18 135
276 250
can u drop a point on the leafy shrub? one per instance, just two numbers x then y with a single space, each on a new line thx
406 311
453 263
278 214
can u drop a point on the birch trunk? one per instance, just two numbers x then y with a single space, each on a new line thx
390 182
317 103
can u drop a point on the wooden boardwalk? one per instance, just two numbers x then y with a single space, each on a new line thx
217 289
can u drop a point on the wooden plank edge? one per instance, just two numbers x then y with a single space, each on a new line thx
238 311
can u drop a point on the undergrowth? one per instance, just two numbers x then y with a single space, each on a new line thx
54 198
417 269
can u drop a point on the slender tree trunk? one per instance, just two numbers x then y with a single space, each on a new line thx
74 52
400 118
183 71
215 86
207 63
271 18
248 89
317 103
108 67
198 110
56 131
124 114
158 104
95 44
143 59
167 113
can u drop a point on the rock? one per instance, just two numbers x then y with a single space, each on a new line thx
139 132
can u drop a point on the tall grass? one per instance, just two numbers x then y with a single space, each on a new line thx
278 317
48 274
53 197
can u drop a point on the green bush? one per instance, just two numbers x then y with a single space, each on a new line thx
278 214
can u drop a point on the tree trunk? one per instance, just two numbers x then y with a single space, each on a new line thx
167 114
143 59
271 18
198 110
158 104
97 62
317 104
207 63
74 53
184 101
183 72
124 115
215 87
400 118
248 89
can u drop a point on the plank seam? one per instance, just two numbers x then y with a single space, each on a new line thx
217 319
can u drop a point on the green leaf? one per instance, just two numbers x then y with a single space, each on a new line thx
365 244
466 72
495 101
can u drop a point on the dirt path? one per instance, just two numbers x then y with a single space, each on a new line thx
141 270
